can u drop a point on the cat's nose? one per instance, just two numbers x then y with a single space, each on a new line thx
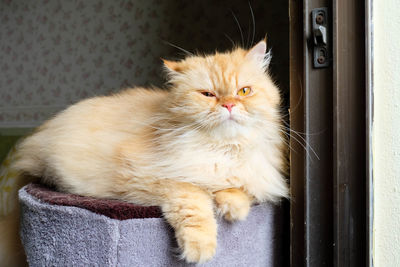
228 106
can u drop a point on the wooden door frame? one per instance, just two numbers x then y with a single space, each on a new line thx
330 108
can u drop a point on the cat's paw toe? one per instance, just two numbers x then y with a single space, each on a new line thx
198 241
236 213
199 251
233 206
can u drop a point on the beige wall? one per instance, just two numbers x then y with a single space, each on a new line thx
386 136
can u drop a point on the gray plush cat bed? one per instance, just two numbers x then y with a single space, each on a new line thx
67 230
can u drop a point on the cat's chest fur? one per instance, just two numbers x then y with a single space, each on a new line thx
216 166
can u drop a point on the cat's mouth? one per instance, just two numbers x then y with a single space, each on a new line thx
231 118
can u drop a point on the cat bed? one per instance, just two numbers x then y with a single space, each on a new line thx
59 229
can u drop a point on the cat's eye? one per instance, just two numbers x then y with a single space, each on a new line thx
244 91
208 94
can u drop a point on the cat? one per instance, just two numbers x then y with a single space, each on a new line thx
211 143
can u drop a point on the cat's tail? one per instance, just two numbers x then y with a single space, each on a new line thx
29 158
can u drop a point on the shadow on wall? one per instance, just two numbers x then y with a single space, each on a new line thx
54 53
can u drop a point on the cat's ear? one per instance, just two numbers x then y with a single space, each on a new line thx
259 54
173 66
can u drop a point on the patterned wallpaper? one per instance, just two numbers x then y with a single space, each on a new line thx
54 52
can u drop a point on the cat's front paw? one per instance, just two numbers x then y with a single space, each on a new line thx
233 204
197 245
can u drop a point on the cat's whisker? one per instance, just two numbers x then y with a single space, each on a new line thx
238 24
305 145
301 133
230 39
180 48
248 34
288 145
298 101
254 24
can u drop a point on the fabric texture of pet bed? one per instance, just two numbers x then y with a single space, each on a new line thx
60 229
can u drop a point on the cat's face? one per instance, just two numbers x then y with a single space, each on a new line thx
227 94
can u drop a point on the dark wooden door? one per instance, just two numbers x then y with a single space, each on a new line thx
329 138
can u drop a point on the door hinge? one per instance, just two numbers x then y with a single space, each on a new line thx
321 37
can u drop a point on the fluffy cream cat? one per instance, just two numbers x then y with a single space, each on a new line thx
212 142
